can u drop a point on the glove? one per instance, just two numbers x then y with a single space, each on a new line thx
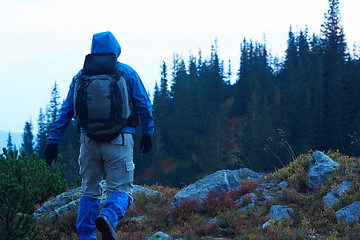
50 153
145 144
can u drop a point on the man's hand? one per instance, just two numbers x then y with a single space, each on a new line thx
50 153
145 144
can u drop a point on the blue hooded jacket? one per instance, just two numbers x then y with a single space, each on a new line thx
105 42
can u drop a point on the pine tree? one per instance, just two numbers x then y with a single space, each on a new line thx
9 145
318 93
46 120
42 134
242 86
259 125
161 109
24 182
180 104
54 106
28 143
334 47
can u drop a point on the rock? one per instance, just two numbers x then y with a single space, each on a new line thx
159 236
251 206
265 188
283 184
268 223
344 187
269 198
63 203
216 222
278 212
223 180
266 185
266 192
140 189
320 167
330 200
349 214
69 202
247 198
245 173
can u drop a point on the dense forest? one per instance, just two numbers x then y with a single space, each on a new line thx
276 110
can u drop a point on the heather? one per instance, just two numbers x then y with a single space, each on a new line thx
237 214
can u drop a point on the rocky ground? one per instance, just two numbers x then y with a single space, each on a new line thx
315 197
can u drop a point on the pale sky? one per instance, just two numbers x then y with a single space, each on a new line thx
43 41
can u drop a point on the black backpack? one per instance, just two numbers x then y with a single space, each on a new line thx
101 102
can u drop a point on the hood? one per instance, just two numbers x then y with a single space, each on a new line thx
105 42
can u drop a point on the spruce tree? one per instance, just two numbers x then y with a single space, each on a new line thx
241 92
42 134
46 120
54 106
334 54
259 125
317 94
10 145
28 143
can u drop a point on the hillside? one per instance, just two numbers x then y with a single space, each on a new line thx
314 197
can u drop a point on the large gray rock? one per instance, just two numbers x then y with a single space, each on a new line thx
349 214
69 202
62 204
223 180
140 189
321 166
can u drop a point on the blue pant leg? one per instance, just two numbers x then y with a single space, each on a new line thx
115 206
88 210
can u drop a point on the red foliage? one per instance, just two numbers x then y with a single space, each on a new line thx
209 229
185 211
218 202
244 189
224 201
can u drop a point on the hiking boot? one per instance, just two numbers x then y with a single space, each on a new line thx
105 227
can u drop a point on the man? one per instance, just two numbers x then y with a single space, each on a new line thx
115 156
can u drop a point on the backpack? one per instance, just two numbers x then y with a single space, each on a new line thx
101 102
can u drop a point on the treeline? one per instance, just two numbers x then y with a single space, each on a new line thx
275 110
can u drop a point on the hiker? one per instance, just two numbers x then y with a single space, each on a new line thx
98 152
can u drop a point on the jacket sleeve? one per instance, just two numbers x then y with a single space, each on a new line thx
57 131
141 100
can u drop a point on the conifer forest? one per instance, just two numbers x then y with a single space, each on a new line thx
276 109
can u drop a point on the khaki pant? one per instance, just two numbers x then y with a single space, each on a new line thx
115 157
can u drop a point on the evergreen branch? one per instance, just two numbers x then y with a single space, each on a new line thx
3 219
24 191
6 219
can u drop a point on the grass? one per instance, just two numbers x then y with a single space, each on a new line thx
223 217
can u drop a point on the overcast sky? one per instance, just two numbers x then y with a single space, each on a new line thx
43 41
